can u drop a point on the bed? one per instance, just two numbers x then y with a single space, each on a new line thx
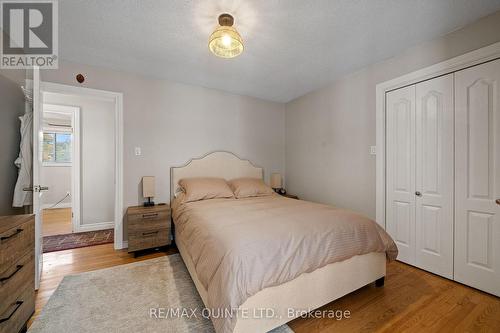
286 292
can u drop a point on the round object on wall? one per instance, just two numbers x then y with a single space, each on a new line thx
80 78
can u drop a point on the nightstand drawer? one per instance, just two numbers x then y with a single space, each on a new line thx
149 215
148 221
148 238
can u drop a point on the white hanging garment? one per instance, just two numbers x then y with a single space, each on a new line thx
24 163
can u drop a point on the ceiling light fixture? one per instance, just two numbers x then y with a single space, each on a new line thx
225 41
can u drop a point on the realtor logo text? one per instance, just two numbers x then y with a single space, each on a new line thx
30 34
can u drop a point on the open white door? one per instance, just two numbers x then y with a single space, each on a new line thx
38 187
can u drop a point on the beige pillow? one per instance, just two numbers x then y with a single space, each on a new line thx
205 188
249 187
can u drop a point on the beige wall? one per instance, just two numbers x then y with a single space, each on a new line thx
329 131
175 122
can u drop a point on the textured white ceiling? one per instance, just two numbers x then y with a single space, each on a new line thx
291 47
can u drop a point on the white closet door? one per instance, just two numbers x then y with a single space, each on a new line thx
434 175
400 168
477 174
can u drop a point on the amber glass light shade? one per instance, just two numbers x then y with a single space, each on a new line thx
225 41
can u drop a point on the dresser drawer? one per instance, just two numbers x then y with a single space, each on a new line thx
17 312
16 279
15 243
146 239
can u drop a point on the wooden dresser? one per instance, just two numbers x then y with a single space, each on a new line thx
17 272
148 227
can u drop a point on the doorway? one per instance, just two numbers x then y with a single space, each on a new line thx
38 91
78 167
61 169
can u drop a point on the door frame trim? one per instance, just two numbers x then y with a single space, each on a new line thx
117 98
473 58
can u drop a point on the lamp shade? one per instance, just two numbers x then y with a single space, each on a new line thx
148 186
276 180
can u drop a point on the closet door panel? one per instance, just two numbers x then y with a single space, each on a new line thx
477 171
400 201
434 116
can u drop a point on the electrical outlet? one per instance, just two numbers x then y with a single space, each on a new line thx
373 150
137 151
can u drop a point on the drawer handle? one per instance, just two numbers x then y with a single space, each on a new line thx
149 216
18 268
149 233
17 306
18 231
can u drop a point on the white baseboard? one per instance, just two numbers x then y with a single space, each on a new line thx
60 205
125 244
95 226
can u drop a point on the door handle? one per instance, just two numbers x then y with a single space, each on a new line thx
418 194
36 188
497 201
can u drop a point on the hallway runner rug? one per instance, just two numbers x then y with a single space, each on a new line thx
76 240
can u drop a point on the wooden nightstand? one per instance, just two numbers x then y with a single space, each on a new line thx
148 227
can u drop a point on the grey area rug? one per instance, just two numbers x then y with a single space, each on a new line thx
119 299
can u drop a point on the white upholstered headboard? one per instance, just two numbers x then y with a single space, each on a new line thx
221 164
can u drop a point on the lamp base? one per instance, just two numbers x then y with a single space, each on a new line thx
149 203
281 191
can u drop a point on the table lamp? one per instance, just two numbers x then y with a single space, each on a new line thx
276 181
148 190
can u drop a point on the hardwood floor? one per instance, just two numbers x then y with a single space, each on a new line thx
412 300
56 221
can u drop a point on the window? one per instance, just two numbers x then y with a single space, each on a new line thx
57 147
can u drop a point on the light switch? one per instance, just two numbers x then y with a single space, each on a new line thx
373 150
138 151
